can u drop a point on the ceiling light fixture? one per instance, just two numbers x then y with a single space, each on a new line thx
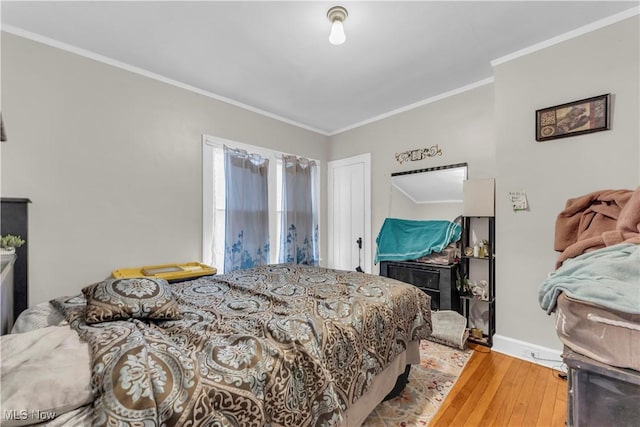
337 15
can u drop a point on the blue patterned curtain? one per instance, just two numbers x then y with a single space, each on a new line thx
299 239
247 212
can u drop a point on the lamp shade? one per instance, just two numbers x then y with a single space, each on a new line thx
478 197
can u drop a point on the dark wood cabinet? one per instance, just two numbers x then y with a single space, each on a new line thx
439 281
15 220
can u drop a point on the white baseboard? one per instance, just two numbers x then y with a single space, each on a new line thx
544 356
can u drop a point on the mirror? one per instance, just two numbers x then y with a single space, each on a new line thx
442 184
430 193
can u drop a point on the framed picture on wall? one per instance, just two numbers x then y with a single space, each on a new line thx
573 118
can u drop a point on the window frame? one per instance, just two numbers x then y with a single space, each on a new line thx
209 144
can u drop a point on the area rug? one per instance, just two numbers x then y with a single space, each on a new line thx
429 383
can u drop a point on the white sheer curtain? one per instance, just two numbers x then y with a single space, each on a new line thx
299 229
247 210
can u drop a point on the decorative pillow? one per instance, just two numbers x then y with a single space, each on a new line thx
137 298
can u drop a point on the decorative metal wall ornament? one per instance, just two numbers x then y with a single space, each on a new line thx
418 154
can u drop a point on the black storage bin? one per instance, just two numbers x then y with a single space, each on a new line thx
600 394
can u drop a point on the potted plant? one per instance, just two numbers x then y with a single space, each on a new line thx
462 284
9 243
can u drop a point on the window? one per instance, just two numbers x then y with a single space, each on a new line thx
214 203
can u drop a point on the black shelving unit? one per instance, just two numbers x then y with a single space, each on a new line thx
472 268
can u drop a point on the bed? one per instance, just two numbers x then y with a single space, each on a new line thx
277 345
595 294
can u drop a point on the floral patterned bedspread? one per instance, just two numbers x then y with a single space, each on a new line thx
277 345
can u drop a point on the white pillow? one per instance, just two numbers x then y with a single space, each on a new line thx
38 316
45 373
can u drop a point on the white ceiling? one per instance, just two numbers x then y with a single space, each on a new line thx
274 57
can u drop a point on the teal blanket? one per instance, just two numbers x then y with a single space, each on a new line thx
404 239
609 277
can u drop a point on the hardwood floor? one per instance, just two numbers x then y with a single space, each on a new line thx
499 390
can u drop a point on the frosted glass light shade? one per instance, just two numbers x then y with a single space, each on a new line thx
337 35
478 197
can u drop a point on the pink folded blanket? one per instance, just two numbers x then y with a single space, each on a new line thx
596 220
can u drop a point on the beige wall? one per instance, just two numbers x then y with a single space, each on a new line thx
492 129
112 163
604 61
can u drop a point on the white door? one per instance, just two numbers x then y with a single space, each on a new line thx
349 209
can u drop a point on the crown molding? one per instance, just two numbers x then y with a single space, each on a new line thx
526 51
418 104
149 74
568 36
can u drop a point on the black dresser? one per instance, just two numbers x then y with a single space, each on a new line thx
439 281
